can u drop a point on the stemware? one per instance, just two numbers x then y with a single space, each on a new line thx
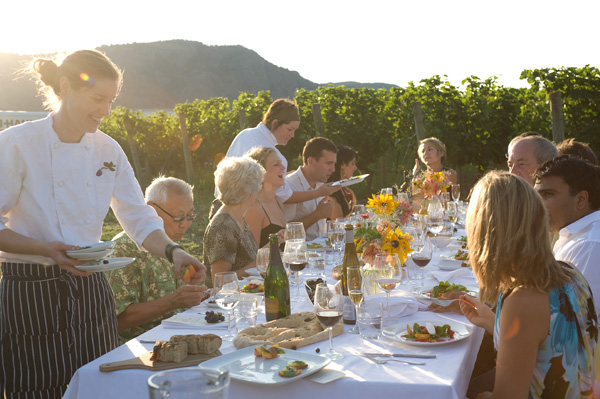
335 234
456 192
295 256
355 291
387 278
422 256
329 307
227 295
294 231
262 260
452 213
435 216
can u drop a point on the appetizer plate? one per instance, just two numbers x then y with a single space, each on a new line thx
396 332
350 181
92 248
318 244
90 255
105 265
244 366
424 295
447 262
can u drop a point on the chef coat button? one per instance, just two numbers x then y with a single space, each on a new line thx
60 184
89 184
55 145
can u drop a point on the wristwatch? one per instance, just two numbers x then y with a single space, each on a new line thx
169 251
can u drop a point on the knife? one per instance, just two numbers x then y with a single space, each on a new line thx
420 356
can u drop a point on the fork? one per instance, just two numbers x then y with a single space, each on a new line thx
384 361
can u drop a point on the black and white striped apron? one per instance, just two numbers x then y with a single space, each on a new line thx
51 323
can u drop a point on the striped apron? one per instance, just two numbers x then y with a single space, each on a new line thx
51 323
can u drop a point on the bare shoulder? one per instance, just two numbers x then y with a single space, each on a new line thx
452 175
530 308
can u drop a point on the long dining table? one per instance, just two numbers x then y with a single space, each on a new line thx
445 376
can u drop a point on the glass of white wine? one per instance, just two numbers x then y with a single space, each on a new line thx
389 274
335 234
355 291
227 295
329 307
452 213
456 192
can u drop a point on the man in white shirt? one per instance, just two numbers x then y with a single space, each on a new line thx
527 152
570 189
319 156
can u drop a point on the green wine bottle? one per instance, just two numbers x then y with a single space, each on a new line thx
277 286
350 260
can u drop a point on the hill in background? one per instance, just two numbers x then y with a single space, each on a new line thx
161 74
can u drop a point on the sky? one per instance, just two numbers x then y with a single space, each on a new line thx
326 41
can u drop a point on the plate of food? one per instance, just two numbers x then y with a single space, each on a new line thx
428 333
319 244
455 260
252 287
267 365
105 264
444 293
350 181
95 255
91 248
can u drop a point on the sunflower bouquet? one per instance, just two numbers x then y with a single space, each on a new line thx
431 184
387 209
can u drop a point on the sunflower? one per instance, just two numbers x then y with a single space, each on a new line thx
382 204
395 241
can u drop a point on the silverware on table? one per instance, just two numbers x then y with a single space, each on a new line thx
384 361
415 355
147 341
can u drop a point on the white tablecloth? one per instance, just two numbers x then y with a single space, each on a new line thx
446 376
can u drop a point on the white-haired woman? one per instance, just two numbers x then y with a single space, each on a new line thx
228 241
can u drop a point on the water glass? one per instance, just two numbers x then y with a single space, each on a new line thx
246 311
294 231
316 262
370 319
189 383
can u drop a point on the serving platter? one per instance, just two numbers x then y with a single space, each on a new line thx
396 332
95 255
92 248
350 181
105 264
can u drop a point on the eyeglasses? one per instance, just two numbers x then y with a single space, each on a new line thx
177 219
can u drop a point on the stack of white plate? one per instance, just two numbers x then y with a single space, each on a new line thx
96 257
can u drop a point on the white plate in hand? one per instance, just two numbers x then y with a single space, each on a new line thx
92 248
350 181
105 264
244 366
90 255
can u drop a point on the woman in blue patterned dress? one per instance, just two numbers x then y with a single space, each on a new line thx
545 328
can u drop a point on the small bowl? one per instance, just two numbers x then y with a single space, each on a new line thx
311 286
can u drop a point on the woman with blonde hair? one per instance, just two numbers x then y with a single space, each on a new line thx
432 153
545 328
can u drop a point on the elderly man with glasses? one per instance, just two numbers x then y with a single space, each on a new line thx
148 291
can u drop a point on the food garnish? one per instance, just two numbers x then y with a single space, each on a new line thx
188 273
253 288
268 353
289 372
315 245
428 333
461 255
298 364
444 287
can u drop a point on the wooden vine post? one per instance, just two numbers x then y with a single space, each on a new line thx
187 154
242 118
418 117
318 119
558 119
137 165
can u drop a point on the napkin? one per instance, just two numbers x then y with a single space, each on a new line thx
189 321
402 303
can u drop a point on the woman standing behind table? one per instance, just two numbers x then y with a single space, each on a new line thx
266 216
60 175
228 241
345 166
545 328
432 153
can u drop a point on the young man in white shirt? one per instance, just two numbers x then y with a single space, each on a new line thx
570 189
319 156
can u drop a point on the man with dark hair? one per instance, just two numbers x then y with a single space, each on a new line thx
570 189
319 156
577 148
527 152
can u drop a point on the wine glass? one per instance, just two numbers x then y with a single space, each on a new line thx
294 231
227 295
456 192
435 216
262 260
422 256
452 213
387 191
335 234
354 281
329 307
296 257
387 279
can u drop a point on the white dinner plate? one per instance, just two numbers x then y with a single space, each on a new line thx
424 294
244 366
350 181
396 332
106 264
92 248
447 262
90 255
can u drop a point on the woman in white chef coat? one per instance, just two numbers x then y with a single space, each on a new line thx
59 177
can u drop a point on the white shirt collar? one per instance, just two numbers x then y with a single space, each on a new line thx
269 136
579 224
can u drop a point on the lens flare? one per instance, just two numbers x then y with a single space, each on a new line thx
84 76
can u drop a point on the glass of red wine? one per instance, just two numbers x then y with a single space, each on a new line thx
295 255
329 307
422 256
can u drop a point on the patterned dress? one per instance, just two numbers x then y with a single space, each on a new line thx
565 363
147 279
223 239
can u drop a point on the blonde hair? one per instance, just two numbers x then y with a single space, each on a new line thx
238 178
82 68
260 154
507 234
159 190
437 143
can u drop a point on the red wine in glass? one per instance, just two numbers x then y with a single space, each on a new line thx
329 318
421 261
297 266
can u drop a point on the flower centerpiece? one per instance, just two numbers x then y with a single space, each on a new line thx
431 183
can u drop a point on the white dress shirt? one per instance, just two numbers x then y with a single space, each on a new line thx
579 244
259 136
294 212
55 191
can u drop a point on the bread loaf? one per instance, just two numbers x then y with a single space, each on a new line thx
169 351
199 344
